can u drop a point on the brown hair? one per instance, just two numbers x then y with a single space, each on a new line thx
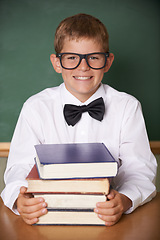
81 26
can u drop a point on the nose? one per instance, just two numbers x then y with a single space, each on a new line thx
83 65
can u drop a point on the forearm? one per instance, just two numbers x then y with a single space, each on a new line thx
139 191
14 179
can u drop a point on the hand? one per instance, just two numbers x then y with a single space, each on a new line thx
112 210
30 208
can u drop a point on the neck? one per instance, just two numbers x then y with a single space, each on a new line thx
83 97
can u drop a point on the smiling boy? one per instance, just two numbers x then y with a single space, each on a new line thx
82 57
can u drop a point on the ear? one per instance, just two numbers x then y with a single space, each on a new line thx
109 62
56 63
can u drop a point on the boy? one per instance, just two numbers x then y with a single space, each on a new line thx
82 57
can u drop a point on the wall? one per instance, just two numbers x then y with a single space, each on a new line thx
3 162
27 31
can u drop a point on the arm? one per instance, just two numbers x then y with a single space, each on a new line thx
21 158
134 183
137 171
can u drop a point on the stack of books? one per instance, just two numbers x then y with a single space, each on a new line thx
71 178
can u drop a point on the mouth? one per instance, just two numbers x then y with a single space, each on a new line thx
82 78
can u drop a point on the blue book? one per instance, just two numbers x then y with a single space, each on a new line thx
74 160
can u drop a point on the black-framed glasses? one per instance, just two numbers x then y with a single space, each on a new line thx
96 60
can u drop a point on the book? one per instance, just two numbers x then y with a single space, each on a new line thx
72 202
70 218
75 160
72 186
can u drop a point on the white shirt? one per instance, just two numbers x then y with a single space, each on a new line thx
122 130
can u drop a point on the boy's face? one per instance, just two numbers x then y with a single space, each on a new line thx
83 81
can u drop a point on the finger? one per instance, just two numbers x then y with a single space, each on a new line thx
107 204
108 224
33 208
31 221
26 201
34 215
107 211
23 190
110 220
111 194
23 193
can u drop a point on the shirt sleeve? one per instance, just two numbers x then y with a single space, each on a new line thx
20 159
137 171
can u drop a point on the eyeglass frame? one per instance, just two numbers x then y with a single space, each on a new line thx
82 56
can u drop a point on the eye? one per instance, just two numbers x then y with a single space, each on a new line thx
71 57
93 58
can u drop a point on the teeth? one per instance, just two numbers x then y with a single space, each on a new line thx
83 78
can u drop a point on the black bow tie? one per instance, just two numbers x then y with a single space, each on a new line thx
73 113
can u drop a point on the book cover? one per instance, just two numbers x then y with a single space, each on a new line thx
76 160
78 186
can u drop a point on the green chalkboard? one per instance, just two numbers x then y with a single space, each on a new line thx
27 30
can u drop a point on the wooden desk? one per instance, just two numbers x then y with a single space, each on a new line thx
142 224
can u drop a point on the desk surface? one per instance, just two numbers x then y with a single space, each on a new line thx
142 224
